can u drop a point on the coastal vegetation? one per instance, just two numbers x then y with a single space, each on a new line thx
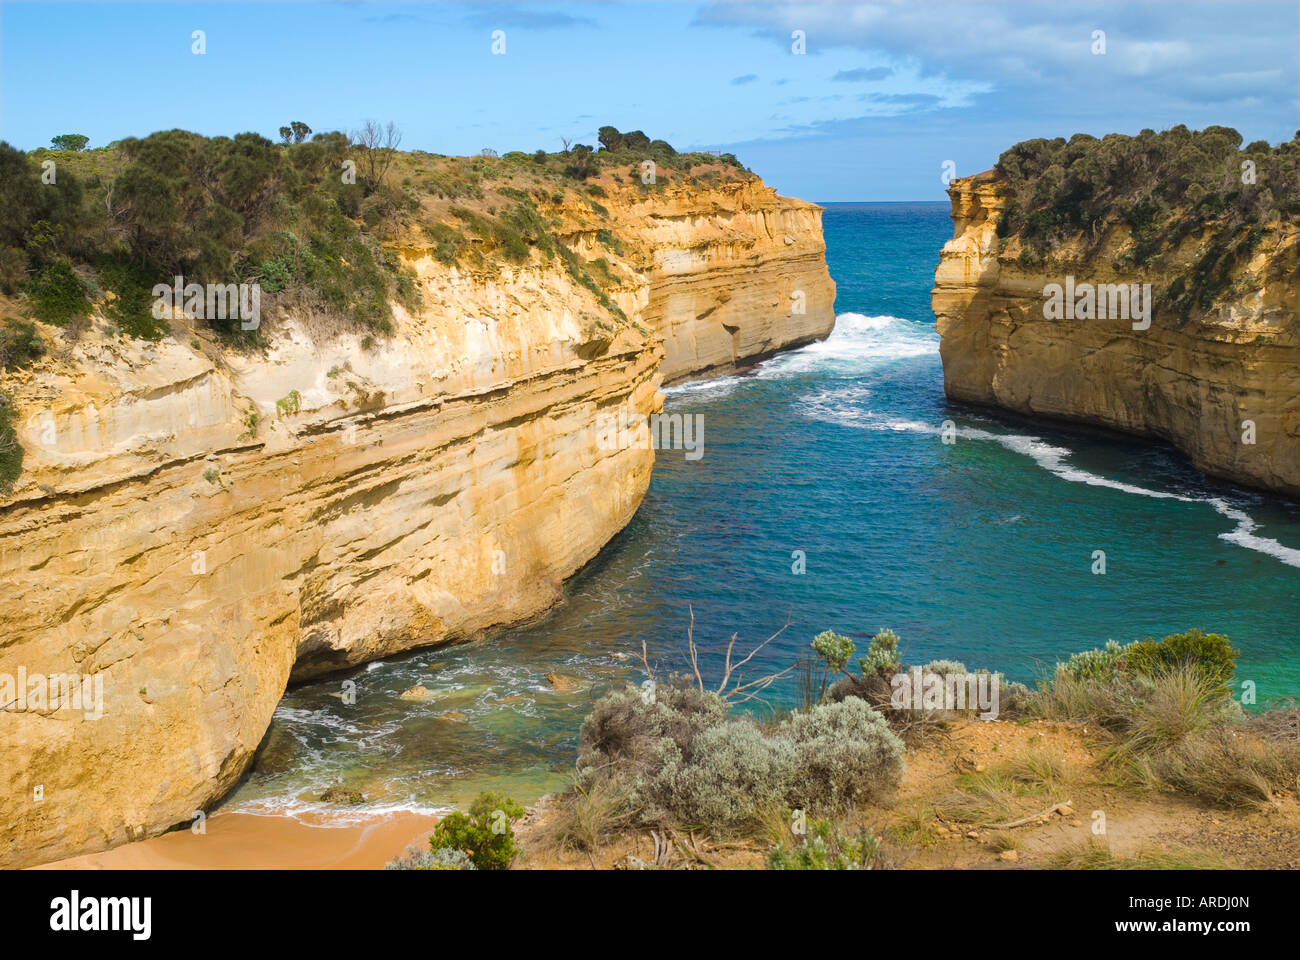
320 221
1161 190
678 772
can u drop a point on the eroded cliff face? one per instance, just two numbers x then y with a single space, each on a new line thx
413 491
1208 384
735 275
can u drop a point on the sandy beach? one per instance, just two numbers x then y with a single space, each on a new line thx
251 841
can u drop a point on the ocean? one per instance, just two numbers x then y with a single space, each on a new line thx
825 499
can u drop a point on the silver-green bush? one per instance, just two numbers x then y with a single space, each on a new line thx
845 753
732 773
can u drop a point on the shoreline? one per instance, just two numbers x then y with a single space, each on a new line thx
254 841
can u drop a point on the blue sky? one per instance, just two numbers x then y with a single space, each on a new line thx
884 94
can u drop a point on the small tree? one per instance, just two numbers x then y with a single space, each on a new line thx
484 834
300 131
610 138
286 134
380 145
70 141
582 162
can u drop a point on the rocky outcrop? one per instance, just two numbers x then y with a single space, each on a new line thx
197 527
1222 386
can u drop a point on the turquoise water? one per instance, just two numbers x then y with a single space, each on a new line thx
980 551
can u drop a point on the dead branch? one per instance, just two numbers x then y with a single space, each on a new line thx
1054 808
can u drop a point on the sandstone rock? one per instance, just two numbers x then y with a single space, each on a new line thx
560 683
419 693
1009 856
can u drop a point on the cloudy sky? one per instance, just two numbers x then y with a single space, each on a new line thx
881 97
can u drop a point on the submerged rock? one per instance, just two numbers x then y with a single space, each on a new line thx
341 794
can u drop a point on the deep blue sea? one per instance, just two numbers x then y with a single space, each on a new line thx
980 550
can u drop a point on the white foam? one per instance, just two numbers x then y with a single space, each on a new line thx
1053 459
857 344
1244 535
326 816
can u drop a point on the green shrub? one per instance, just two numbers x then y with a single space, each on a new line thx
20 344
13 269
679 758
58 296
447 241
484 834
1160 188
1211 655
1093 664
609 241
132 305
627 728
944 667
289 405
11 451
826 849
882 654
833 648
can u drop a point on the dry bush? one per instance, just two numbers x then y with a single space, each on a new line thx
1177 730
585 819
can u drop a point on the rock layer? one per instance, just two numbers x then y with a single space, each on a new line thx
412 492
751 279
1208 385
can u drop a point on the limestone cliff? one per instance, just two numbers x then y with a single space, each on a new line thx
750 280
200 526
1208 383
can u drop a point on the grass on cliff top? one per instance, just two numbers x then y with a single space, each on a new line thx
1164 188
318 224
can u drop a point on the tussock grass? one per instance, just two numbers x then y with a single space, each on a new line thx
914 827
980 802
1003 840
587 818
1038 768
1095 855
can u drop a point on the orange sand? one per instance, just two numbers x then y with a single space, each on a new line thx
244 841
